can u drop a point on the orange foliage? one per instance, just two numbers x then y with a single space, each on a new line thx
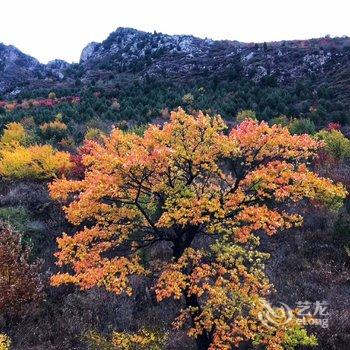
175 184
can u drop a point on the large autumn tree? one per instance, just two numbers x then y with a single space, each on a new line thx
206 194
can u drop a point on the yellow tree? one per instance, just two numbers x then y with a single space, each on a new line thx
206 195
14 133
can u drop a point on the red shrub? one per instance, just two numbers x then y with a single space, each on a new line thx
19 278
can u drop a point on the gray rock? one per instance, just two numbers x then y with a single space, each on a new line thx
88 51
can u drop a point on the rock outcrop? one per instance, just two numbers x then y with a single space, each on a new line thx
17 68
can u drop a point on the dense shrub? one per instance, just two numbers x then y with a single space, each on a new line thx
280 120
297 337
142 340
52 95
302 126
19 161
14 133
54 130
188 99
18 217
94 134
34 162
336 143
245 114
20 281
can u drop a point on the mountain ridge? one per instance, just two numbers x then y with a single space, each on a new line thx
126 45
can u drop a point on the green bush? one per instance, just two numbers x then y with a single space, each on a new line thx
17 217
297 337
336 143
280 120
20 220
302 126
341 228
245 114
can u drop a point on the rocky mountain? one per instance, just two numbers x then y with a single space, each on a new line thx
129 54
186 57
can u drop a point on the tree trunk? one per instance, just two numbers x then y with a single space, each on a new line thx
202 340
185 238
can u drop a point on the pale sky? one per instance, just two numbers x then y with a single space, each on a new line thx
48 29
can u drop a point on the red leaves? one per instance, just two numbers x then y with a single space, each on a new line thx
41 102
333 126
19 278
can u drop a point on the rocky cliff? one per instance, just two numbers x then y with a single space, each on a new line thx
17 69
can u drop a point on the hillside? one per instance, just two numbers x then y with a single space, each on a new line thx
150 72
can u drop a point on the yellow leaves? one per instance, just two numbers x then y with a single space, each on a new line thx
60 189
254 218
193 205
13 134
47 162
278 328
38 162
173 281
307 184
281 181
229 282
198 139
5 342
143 339
55 128
62 278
